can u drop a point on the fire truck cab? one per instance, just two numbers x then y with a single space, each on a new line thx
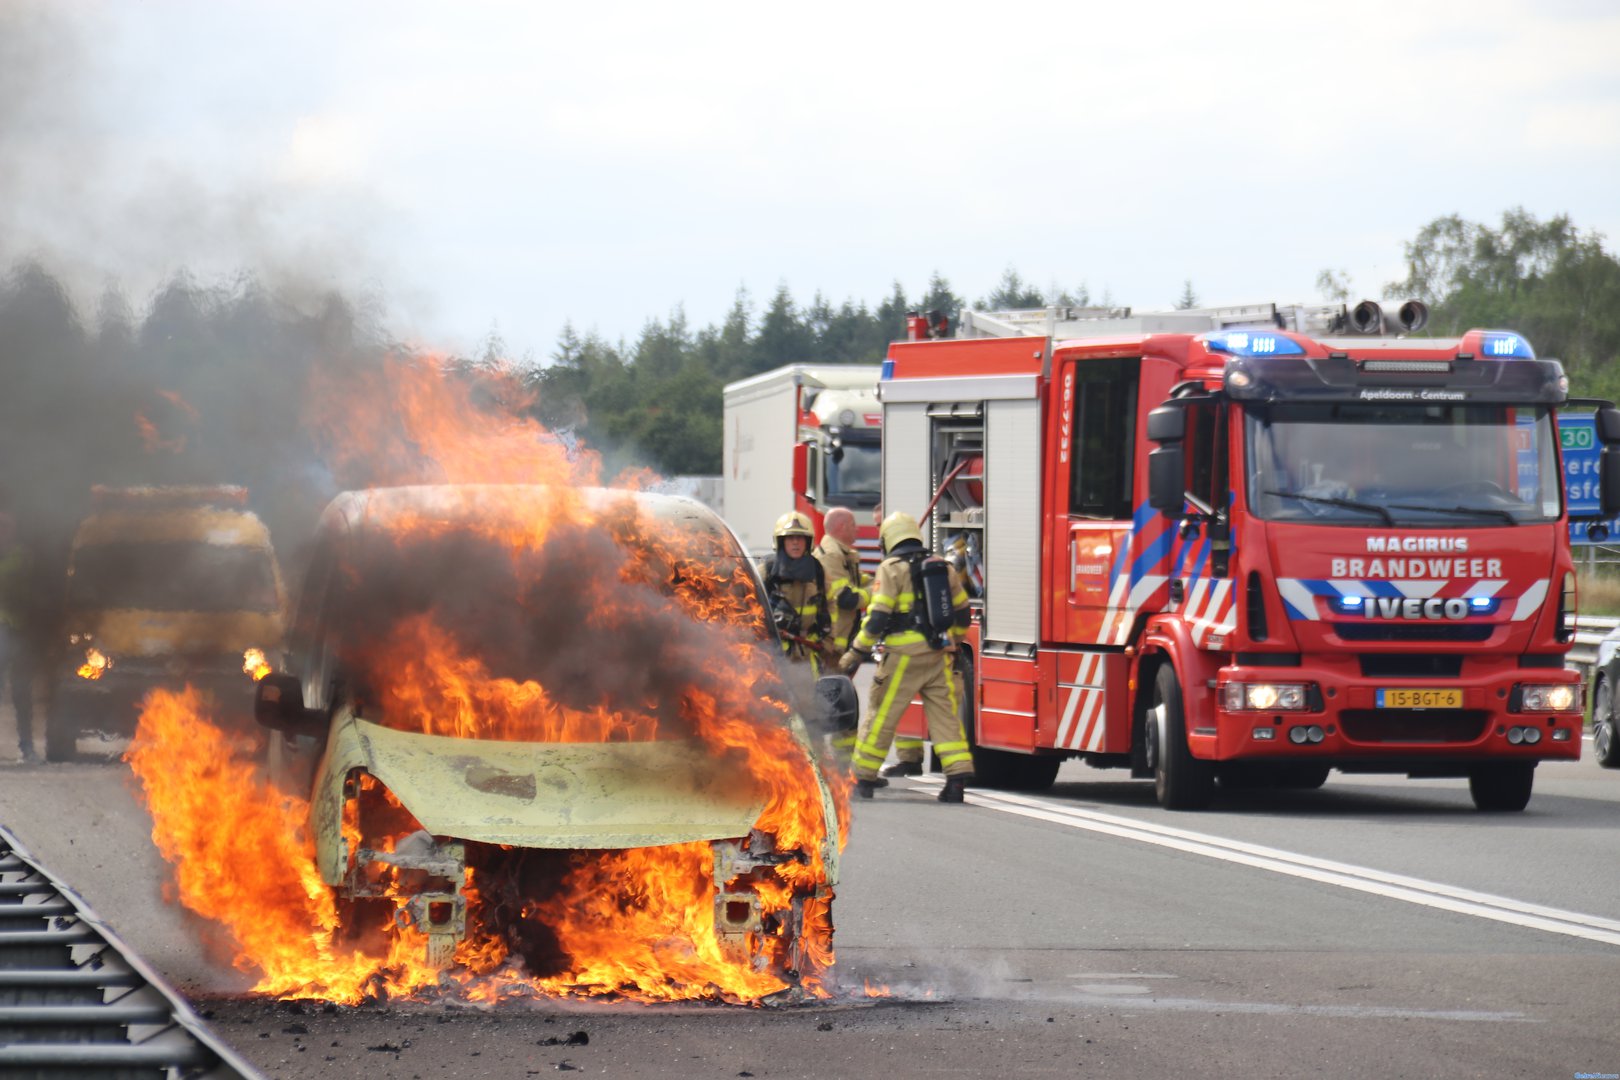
1249 545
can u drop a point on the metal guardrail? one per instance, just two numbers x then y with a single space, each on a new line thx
1589 630
76 1001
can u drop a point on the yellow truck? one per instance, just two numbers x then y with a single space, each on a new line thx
167 586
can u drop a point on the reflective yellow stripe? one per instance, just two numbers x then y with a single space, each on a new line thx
950 690
950 747
947 760
905 637
867 750
837 588
906 742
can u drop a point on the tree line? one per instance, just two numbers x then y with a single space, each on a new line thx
659 400
207 383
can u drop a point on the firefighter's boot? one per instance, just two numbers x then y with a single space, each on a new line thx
865 788
904 768
952 791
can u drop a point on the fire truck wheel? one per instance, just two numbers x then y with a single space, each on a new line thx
1605 740
1181 781
1502 787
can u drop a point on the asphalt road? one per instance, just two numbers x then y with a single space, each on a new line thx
1378 927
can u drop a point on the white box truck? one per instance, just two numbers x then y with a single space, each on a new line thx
805 437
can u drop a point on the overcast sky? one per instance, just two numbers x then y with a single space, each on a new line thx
513 166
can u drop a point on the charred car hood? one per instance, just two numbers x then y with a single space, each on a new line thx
539 795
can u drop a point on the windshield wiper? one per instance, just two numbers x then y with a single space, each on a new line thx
1489 511
1348 504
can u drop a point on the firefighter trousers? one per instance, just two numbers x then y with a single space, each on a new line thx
900 677
910 749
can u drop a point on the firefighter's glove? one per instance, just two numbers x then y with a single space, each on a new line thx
848 601
851 661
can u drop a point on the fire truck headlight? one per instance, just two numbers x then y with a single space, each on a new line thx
1264 697
1561 697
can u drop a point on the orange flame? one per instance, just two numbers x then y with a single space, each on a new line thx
95 664
637 923
254 664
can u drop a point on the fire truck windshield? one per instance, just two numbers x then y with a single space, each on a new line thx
1402 464
855 475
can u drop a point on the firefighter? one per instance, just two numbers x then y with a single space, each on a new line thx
796 590
908 750
847 594
917 661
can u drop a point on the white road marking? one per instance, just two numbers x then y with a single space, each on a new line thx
1326 871
1351 1012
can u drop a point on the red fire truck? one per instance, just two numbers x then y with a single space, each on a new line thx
1249 545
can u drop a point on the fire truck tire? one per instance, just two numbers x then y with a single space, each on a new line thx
1605 739
1502 787
1180 781
1001 769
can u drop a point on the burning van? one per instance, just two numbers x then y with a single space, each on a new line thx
543 738
167 586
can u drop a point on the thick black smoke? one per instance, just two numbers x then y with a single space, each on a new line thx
587 614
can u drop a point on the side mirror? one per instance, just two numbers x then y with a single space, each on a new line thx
1167 423
1609 478
1607 421
836 706
1167 479
278 704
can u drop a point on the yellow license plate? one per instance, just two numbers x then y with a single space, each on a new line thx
1420 699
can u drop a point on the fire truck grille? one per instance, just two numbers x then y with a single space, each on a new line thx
1414 725
1427 665
1425 631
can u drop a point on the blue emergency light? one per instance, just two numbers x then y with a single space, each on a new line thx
888 370
1498 345
1249 343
